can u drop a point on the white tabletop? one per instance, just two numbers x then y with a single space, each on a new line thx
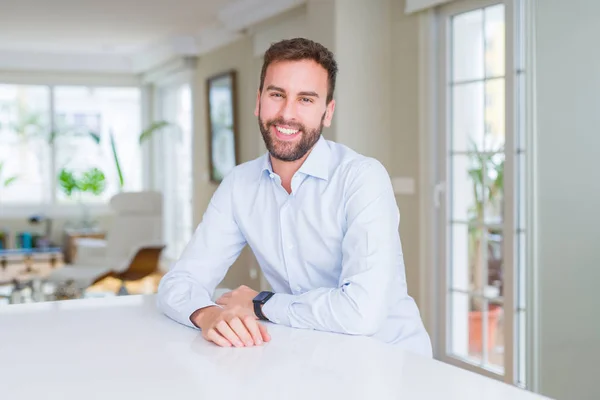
124 348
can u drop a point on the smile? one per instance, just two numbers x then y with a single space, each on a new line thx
287 131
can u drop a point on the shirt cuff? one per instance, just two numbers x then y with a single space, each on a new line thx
277 308
193 306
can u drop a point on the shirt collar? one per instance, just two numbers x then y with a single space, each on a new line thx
316 164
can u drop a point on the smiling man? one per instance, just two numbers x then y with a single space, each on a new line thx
321 219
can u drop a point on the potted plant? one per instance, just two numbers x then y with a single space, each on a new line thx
487 177
91 181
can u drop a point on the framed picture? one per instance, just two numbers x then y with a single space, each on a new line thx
222 124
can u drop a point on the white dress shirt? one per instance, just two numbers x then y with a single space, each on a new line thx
330 250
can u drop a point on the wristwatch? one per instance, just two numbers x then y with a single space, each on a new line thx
258 301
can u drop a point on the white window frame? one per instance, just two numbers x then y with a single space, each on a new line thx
50 80
178 73
432 190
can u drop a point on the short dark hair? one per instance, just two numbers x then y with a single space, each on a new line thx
301 49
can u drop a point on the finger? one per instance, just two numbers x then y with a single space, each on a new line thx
221 301
263 331
226 331
240 329
252 327
216 338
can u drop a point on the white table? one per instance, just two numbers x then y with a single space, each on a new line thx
124 348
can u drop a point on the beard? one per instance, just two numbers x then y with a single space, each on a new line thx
289 151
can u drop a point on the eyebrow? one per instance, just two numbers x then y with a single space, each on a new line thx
278 89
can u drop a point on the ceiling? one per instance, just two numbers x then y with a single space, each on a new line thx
130 29
84 26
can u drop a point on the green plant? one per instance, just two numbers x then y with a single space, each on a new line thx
487 177
91 181
28 123
144 136
6 182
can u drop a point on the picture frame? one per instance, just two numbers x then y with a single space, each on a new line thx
221 103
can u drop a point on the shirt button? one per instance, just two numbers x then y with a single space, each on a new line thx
298 289
272 175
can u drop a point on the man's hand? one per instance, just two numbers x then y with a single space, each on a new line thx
241 298
230 326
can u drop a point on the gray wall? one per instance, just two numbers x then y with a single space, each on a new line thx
568 146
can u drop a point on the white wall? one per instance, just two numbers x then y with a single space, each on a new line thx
568 147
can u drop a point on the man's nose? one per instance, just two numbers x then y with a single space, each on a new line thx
288 111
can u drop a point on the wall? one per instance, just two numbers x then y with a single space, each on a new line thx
404 128
568 143
238 56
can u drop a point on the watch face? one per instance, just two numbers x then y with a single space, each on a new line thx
262 296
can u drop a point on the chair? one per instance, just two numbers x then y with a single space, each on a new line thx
131 249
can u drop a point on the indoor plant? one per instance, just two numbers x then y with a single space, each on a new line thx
91 181
487 177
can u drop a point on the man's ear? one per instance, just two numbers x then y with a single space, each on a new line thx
329 113
256 108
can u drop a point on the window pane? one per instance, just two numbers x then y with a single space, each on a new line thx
520 179
88 120
468 117
494 115
520 138
466 189
467 46
521 271
465 328
494 186
495 264
521 348
462 257
175 162
494 40
24 149
495 336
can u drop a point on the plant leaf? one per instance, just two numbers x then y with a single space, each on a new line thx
148 132
116 157
10 180
95 137
67 182
93 180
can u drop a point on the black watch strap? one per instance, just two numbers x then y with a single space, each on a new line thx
258 303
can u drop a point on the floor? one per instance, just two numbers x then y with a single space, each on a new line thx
143 286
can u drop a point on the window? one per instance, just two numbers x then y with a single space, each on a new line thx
24 144
47 129
174 166
482 217
87 119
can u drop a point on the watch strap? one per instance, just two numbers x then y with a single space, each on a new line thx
258 307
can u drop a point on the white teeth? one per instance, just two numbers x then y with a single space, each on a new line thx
287 131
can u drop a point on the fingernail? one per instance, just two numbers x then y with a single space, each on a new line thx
249 343
259 341
239 344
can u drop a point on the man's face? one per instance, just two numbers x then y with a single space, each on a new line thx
292 108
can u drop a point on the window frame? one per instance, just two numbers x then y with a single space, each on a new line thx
433 24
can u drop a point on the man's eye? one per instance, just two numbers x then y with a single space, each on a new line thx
276 95
306 100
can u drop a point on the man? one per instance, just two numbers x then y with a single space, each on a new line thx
321 220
